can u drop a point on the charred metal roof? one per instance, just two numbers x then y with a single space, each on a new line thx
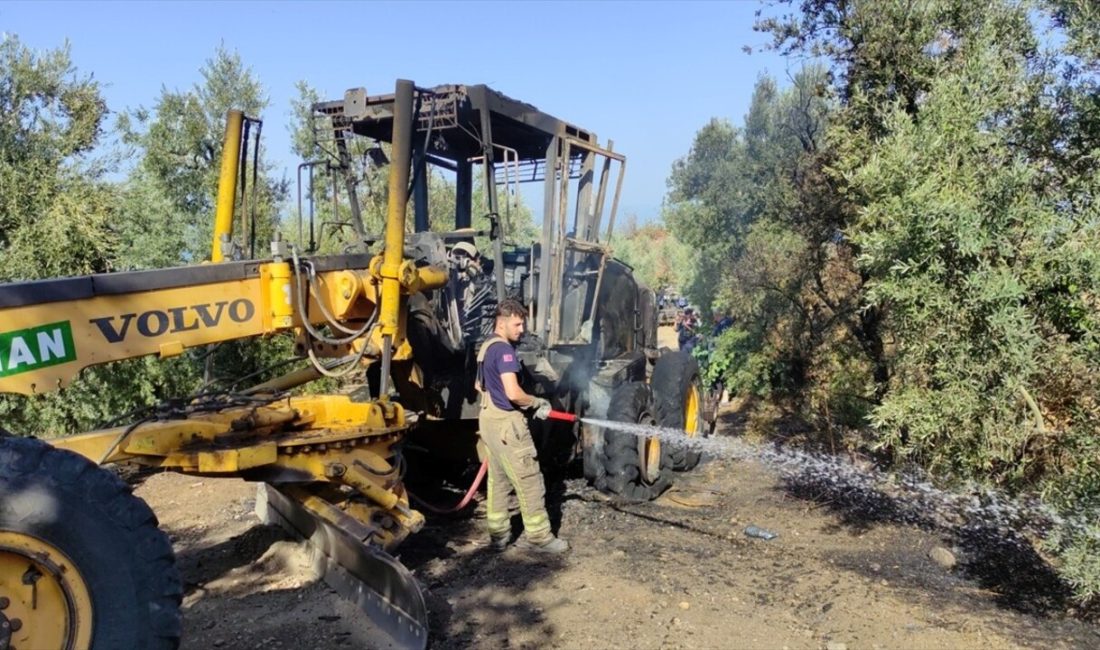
452 116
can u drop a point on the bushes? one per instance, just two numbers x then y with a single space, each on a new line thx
926 264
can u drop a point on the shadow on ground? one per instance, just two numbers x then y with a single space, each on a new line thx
476 595
1001 561
201 564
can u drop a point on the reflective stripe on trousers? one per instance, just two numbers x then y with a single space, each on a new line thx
513 463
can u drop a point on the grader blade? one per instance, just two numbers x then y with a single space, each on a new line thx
367 576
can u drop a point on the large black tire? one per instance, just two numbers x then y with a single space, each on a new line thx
623 455
678 399
109 536
592 456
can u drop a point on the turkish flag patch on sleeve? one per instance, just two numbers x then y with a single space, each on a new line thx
508 358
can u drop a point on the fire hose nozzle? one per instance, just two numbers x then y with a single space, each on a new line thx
563 416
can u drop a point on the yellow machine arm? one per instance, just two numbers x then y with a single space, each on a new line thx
52 329
332 463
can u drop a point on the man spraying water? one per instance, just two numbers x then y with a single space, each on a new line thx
513 460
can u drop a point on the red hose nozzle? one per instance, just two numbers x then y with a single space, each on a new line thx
563 416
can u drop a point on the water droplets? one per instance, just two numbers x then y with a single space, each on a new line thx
903 496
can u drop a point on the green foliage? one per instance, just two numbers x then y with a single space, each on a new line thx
660 261
99 395
147 227
735 359
883 53
60 217
1081 21
168 206
55 209
952 233
779 266
963 155
179 143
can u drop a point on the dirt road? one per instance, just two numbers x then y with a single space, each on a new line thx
658 575
677 573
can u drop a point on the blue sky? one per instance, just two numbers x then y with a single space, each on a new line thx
646 74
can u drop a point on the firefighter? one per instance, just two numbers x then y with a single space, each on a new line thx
513 461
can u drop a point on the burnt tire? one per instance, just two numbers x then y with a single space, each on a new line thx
109 538
678 401
622 461
592 464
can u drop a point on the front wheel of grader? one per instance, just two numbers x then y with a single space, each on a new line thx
82 561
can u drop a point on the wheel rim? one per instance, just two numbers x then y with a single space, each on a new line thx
46 602
649 452
691 412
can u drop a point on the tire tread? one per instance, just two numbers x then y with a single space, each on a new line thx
673 374
149 554
620 462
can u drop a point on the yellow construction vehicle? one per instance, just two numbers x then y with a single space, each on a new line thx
82 560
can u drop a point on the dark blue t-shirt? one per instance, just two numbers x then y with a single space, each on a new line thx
499 358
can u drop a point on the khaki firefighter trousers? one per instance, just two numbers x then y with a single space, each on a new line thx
513 463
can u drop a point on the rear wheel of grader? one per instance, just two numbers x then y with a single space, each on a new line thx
635 467
678 403
82 561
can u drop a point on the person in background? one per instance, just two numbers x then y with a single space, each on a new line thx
686 326
722 322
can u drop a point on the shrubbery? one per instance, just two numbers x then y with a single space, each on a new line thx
914 245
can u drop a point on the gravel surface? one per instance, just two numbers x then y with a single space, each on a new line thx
676 573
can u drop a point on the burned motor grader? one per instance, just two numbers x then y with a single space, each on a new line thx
82 561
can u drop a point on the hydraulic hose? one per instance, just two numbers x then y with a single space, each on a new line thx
465 500
554 415
562 415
